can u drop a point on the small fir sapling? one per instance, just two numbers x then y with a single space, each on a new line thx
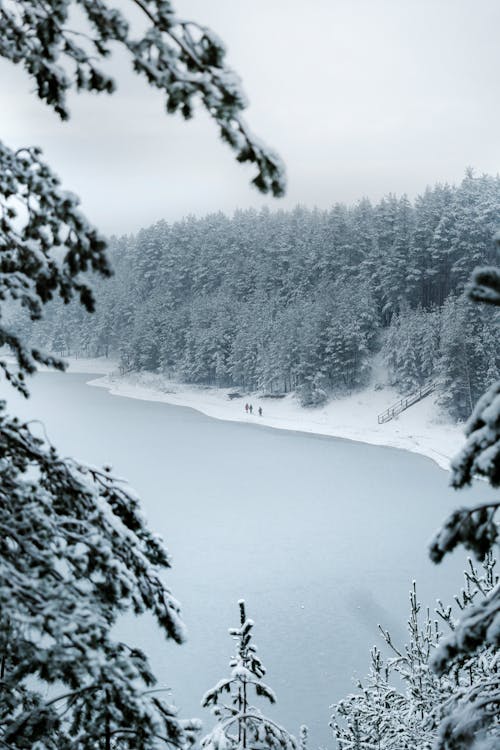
303 737
239 724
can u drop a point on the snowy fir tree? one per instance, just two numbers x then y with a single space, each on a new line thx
239 724
403 704
75 550
75 554
473 719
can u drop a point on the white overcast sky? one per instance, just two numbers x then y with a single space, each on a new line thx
360 97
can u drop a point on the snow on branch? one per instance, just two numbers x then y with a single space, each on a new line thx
76 553
481 453
475 528
407 702
45 246
485 286
183 59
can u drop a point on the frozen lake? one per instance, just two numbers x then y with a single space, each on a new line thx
321 536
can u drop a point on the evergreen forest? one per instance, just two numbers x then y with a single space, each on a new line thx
301 300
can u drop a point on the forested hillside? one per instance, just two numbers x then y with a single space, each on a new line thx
301 300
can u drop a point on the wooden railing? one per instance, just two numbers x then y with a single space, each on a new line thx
405 403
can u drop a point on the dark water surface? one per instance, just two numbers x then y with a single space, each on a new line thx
321 536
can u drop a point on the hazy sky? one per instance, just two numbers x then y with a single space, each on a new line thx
360 97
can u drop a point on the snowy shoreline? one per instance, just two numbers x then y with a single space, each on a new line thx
421 429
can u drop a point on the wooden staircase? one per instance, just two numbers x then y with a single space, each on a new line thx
405 403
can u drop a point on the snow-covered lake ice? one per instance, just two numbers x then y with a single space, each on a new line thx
321 536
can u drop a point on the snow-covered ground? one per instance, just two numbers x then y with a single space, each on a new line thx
420 429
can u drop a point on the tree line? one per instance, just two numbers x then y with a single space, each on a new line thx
300 300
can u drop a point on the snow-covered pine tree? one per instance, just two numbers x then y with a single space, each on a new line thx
75 551
471 716
475 720
239 724
369 718
476 205
421 274
469 354
75 554
402 702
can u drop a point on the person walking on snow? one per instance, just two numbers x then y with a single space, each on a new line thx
246 408
260 411
250 408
